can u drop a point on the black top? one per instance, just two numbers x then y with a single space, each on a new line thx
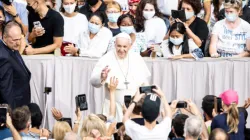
115 31
53 24
14 78
139 121
87 11
199 28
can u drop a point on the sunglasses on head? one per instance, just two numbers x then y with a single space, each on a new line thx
231 1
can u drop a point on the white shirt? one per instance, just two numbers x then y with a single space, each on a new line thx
133 67
139 132
155 30
166 6
97 46
231 42
73 27
176 51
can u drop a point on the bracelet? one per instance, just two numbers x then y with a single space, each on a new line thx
76 122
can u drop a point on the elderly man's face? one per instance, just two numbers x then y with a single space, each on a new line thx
122 47
13 38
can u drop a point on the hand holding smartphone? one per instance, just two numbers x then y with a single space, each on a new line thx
181 104
127 100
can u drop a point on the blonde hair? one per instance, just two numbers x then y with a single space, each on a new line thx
233 118
93 122
236 5
114 4
60 129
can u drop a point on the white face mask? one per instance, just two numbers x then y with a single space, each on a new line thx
148 14
176 41
69 8
189 15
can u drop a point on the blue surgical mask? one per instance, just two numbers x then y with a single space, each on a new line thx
127 29
93 28
231 17
113 17
176 41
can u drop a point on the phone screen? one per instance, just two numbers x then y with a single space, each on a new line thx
147 89
82 102
127 100
181 104
3 112
37 24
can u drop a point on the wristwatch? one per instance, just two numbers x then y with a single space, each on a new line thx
17 15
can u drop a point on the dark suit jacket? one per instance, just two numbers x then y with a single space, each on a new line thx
14 79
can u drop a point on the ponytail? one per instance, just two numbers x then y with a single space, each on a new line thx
233 118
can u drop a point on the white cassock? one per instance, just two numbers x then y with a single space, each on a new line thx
133 68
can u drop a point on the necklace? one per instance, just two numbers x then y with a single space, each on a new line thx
125 76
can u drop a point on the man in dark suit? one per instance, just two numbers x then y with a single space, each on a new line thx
14 75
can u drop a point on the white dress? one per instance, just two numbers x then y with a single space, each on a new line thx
138 74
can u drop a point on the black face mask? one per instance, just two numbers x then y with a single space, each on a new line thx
92 2
30 9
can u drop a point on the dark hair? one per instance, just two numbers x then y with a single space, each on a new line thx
213 134
196 5
63 10
119 21
138 107
180 28
20 117
140 20
178 124
101 15
208 105
36 115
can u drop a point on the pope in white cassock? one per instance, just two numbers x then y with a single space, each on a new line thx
127 66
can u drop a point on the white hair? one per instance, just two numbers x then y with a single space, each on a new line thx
125 36
193 127
71 136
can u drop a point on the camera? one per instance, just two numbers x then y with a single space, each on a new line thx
81 102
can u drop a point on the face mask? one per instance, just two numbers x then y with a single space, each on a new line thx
127 29
69 8
148 14
80 6
189 15
92 2
30 9
113 17
231 17
176 41
93 28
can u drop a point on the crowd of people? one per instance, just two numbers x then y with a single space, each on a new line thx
120 33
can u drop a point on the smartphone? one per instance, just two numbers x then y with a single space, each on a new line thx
68 120
127 100
47 89
81 102
181 104
3 112
147 89
7 2
37 24
180 14
217 105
